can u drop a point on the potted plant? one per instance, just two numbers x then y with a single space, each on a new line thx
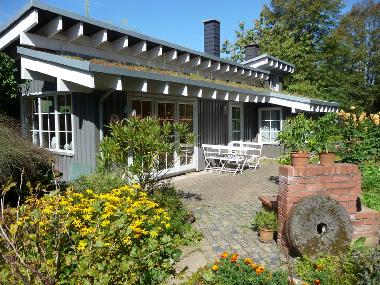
327 138
266 223
296 138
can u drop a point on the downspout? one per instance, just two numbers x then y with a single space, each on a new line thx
101 123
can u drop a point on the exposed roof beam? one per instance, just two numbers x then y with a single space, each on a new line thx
183 58
215 66
120 44
138 48
67 86
23 26
194 62
170 55
75 32
106 82
52 28
225 68
99 38
205 64
154 52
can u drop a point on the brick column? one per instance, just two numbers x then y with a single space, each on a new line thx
340 181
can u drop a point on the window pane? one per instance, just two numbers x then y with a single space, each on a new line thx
265 136
274 136
146 109
170 107
265 126
182 111
265 115
62 140
69 141
189 111
235 113
53 141
47 104
64 104
275 125
161 110
275 115
68 123
45 140
236 136
136 108
45 122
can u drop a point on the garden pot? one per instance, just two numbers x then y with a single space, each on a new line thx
327 158
300 158
266 235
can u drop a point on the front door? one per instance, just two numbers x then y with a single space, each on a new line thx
235 124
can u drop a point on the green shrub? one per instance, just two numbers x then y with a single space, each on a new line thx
137 147
120 237
233 270
265 219
371 186
326 136
99 182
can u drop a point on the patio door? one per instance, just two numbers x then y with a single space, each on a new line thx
178 112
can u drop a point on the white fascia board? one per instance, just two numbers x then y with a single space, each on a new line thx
99 38
63 72
23 26
290 104
259 63
52 28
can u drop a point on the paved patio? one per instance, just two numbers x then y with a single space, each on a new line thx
224 206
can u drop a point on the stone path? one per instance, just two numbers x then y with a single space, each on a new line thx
224 206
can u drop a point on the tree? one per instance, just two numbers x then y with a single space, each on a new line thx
8 84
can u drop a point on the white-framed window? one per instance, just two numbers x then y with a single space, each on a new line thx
51 123
236 122
270 124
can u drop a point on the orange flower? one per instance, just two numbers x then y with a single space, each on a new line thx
318 267
215 267
259 270
317 282
224 255
234 257
248 261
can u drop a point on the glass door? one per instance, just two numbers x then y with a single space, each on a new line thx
236 123
166 113
187 151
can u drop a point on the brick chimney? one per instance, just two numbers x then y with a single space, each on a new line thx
251 51
212 37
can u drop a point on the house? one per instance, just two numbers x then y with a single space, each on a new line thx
83 73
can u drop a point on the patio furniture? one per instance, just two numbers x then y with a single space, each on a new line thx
253 153
211 157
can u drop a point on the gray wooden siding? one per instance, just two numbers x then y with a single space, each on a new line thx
213 121
86 133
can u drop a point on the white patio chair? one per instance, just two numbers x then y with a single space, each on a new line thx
235 157
211 157
253 154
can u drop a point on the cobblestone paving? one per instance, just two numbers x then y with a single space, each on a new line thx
224 206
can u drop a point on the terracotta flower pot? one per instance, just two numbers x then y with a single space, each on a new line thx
327 158
300 158
266 235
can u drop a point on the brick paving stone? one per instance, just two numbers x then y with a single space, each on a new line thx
224 206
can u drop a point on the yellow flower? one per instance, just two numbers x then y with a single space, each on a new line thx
127 241
105 223
153 234
215 267
82 245
248 260
352 107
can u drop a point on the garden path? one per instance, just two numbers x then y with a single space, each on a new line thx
224 206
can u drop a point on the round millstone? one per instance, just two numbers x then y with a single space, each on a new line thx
319 224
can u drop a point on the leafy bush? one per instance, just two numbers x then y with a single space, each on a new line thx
9 87
265 219
233 270
99 182
120 237
326 134
371 186
18 155
361 265
297 133
137 146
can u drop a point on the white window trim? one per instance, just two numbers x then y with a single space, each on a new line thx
259 123
241 106
39 130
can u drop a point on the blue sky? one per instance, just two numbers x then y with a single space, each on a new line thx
177 21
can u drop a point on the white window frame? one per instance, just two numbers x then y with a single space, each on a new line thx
241 106
259 123
57 132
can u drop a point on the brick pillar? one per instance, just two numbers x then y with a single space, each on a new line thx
340 181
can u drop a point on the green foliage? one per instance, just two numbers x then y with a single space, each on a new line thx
265 219
147 141
326 134
336 57
371 186
297 134
120 237
361 265
99 182
21 162
236 271
8 84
